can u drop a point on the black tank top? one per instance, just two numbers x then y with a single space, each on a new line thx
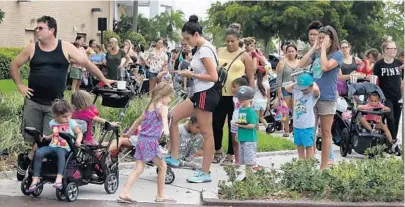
349 68
48 74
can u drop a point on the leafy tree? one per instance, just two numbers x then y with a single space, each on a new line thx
169 24
361 23
110 34
135 38
2 14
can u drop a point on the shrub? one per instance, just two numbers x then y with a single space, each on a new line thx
368 180
135 38
6 56
108 35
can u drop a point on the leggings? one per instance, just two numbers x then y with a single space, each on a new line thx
44 151
394 116
224 108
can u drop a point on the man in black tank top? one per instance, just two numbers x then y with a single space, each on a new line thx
49 63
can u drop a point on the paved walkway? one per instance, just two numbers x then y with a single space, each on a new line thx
145 188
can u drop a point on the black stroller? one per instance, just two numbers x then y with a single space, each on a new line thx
75 170
349 134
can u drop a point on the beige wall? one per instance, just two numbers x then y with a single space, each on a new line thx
73 17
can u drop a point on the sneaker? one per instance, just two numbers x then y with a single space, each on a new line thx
394 145
200 177
268 129
23 162
172 162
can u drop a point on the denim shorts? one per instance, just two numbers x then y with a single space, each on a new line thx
285 93
304 137
259 105
151 74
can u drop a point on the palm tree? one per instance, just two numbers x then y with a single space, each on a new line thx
174 21
1 15
135 16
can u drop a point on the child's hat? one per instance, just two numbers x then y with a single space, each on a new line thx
304 81
245 93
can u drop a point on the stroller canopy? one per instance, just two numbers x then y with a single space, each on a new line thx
364 88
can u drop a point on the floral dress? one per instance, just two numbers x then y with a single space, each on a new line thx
147 147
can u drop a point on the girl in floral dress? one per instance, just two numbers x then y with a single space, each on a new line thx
153 121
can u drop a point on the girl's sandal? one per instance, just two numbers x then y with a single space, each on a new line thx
34 187
165 200
126 200
58 185
217 158
226 162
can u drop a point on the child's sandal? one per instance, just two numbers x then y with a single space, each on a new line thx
58 185
227 162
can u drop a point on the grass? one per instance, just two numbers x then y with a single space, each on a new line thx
265 142
7 86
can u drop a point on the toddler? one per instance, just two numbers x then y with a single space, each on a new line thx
154 122
242 81
306 93
62 111
247 134
374 103
86 111
191 141
261 101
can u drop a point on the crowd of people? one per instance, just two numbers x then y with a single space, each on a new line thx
242 99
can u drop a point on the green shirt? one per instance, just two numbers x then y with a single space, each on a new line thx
247 116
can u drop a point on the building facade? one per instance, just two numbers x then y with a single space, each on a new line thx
73 18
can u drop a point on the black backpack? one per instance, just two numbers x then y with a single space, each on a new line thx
222 71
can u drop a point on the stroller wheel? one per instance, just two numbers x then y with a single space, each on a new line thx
60 195
25 184
319 143
169 176
345 143
71 192
111 183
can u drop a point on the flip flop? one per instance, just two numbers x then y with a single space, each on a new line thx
58 185
34 187
165 200
126 200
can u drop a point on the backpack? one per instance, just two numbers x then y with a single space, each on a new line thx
222 71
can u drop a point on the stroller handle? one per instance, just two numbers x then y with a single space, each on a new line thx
380 113
32 131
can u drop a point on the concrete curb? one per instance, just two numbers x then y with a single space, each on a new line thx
211 199
7 174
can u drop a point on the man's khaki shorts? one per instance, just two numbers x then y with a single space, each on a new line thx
37 116
325 108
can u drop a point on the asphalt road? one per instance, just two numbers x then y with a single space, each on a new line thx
20 201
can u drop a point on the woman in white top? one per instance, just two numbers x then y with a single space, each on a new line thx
156 60
202 103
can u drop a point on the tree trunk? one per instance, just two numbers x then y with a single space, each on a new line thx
135 16
266 48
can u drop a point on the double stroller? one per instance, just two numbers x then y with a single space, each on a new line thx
87 164
347 132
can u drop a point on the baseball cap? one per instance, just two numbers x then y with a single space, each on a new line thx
245 93
304 81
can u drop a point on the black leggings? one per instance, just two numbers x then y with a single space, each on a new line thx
223 109
394 116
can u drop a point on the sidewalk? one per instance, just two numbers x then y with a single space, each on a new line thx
145 188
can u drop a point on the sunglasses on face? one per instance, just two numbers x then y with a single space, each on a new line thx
39 28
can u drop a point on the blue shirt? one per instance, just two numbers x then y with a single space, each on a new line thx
327 81
97 58
56 127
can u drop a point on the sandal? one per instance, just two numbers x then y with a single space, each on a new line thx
165 200
217 157
126 200
34 187
227 161
286 135
58 185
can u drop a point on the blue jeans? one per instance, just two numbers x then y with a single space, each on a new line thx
45 151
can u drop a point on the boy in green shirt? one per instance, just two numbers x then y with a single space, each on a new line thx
247 134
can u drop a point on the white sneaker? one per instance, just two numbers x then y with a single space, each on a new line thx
394 145
401 100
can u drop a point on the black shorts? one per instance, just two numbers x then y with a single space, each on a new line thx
206 100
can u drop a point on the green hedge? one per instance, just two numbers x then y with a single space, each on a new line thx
7 54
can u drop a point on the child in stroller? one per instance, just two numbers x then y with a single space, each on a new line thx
375 104
62 111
